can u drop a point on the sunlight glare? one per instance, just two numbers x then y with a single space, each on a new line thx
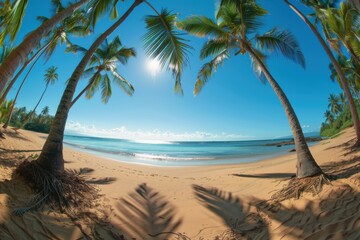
153 65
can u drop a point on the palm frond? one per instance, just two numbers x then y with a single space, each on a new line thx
98 8
256 67
207 70
123 83
105 89
164 43
94 87
283 42
202 26
213 47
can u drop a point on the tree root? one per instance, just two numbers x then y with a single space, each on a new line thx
68 190
297 186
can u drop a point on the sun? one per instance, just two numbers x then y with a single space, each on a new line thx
153 65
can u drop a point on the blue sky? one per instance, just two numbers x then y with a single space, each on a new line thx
233 105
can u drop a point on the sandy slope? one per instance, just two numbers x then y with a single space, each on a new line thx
334 214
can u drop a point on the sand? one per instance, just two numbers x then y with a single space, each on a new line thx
204 201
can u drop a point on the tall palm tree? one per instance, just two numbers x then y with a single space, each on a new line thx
11 17
104 62
77 25
343 101
162 41
50 77
329 117
31 41
334 104
342 78
234 32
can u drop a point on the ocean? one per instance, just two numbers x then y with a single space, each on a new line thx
161 153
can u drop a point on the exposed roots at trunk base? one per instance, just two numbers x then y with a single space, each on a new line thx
297 186
67 189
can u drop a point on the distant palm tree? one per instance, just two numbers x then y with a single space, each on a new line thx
334 104
344 84
50 77
77 25
234 32
162 41
329 117
104 62
45 111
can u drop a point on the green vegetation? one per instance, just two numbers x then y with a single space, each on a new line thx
39 122
337 118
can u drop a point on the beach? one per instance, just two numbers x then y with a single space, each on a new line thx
333 214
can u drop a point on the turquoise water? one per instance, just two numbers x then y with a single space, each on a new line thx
178 153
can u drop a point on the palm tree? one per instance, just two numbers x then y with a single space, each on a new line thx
334 104
77 24
342 26
329 117
342 78
31 41
343 101
233 32
11 16
162 41
105 60
50 77
45 111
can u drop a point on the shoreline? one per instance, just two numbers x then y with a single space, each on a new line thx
248 181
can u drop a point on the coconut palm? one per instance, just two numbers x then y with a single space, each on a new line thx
342 26
234 32
77 25
162 41
329 117
103 63
31 41
11 16
334 104
50 77
342 78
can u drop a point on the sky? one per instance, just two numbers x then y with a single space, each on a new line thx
234 105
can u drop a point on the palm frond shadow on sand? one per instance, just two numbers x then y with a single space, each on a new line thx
145 214
242 221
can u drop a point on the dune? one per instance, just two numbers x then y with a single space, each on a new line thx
202 202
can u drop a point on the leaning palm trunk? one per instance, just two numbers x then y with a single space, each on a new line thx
306 165
7 90
342 77
51 157
20 53
92 80
33 111
17 93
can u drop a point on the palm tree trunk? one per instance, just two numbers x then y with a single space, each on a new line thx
20 53
18 91
342 77
7 90
33 111
51 157
306 165
84 90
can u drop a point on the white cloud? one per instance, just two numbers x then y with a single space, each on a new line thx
305 126
153 135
